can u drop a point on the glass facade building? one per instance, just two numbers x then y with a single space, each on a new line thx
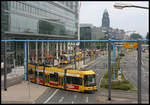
37 20
85 34
40 17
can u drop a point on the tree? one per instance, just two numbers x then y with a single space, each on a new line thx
135 36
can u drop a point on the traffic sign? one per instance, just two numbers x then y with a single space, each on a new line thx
130 45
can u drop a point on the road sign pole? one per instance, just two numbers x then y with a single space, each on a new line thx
109 70
139 72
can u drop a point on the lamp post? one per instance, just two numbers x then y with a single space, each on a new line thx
123 5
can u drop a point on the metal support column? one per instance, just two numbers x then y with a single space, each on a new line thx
15 56
139 72
28 51
84 54
48 48
36 51
5 66
75 56
60 48
64 47
109 70
68 48
25 60
42 55
57 50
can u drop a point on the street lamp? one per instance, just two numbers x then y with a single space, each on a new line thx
122 5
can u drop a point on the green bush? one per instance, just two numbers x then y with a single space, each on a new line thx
122 54
125 82
124 87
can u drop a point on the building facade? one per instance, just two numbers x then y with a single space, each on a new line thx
85 34
41 17
39 20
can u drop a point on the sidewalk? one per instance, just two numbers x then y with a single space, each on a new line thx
14 77
18 90
25 92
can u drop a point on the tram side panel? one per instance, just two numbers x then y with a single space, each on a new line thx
59 78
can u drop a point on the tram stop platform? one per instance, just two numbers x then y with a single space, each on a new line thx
18 90
24 92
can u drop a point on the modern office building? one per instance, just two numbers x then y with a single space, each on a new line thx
85 34
48 19
38 20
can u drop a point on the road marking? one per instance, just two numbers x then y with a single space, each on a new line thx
51 96
61 100
72 102
86 99
75 96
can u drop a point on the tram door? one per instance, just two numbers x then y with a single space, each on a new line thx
61 82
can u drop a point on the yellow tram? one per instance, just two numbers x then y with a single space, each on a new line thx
69 79
90 53
68 58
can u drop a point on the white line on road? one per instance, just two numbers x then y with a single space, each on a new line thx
72 102
86 99
75 96
51 96
61 100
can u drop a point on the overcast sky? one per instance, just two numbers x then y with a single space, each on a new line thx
128 19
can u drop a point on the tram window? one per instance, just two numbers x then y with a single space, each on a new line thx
89 80
69 80
35 73
30 71
40 74
63 58
54 77
74 80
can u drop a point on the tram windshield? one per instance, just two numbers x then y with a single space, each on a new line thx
63 58
90 80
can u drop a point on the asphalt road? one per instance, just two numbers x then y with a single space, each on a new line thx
129 67
57 96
